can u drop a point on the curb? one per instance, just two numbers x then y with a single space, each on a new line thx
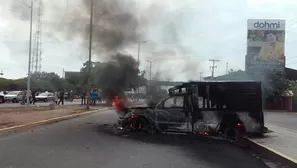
48 121
270 154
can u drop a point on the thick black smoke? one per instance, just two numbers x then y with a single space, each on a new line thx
115 25
117 75
118 25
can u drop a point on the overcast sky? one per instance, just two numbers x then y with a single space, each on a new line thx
204 29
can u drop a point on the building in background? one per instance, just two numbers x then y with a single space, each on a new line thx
69 74
265 45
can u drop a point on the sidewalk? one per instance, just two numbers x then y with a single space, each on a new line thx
281 141
283 138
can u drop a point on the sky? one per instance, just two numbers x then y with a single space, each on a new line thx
181 36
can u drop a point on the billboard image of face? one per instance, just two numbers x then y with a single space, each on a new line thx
265 44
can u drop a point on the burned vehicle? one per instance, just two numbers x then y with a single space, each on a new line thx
229 109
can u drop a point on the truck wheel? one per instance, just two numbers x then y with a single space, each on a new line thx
14 100
143 125
232 133
2 100
45 100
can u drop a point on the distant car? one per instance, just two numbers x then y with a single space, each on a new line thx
45 96
2 99
14 96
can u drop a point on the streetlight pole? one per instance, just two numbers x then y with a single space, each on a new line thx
138 52
90 56
150 61
30 46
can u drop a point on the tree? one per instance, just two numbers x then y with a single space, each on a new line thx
275 84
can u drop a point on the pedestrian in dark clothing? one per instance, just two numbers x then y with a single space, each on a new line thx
33 100
61 97
83 98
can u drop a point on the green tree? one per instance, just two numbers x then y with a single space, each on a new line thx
275 84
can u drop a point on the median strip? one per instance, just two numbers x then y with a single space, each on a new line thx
12 120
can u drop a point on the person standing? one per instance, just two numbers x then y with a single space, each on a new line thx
28 94
23 97
61 97
83 97
93 97
56 99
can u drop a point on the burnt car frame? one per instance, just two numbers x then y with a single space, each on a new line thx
232 109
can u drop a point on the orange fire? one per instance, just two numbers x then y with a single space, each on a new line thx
118 103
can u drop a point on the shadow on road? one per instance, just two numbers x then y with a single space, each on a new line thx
218 152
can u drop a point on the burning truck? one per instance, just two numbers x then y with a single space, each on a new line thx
228 109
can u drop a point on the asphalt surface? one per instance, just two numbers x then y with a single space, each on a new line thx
282 119
92 141
8 105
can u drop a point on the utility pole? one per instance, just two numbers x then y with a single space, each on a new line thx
36 55
213 66
150 61
138 51
30 46
63 73
200 75
90 54
227 68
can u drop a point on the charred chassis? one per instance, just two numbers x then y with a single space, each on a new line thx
231 109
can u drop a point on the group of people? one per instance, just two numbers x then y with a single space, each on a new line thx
32 96
58 99
94 96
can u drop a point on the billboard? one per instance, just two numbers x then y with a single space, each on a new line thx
265 45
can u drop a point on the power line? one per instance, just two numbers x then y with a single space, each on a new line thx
213 66
22 3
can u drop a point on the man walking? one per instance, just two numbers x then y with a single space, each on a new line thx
33 100
61 97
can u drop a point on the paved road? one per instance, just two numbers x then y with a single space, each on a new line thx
91 142
76 102
282 119
37 104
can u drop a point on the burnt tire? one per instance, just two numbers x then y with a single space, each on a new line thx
14 100
232 133
2 100
142 124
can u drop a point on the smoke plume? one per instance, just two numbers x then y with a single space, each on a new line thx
115 25
120 24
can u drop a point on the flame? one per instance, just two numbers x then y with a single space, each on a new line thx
118 103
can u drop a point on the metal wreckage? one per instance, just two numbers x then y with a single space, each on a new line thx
227 109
